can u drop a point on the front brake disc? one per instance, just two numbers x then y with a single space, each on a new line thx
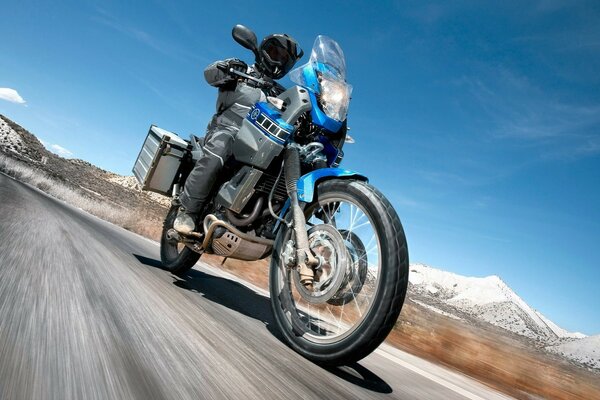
327 244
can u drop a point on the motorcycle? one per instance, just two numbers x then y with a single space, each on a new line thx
339 260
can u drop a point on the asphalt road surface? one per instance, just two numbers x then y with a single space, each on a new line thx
86 312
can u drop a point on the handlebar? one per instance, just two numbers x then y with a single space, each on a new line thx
261 82
232 71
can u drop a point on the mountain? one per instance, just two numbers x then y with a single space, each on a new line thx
489 300
585 351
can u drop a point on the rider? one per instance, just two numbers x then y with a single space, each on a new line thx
275 57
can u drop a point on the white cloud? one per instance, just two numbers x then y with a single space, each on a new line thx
11 95
61 151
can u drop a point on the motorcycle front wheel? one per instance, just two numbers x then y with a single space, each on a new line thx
356 233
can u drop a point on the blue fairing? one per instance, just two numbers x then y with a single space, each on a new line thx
311 82
310 78
307 183
268 120
320 118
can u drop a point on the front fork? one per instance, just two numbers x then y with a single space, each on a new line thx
306 260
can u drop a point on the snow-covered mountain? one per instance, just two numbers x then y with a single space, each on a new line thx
585 351
490 300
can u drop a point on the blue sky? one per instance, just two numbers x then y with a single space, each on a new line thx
481 122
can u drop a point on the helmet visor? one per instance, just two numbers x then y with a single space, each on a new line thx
277 53
279 57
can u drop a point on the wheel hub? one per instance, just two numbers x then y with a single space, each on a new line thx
327 244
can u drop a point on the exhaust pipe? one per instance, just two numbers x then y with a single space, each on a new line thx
246 220
211 223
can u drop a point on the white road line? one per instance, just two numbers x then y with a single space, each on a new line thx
436 379
231 277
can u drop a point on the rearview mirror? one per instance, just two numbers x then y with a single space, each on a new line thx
245 37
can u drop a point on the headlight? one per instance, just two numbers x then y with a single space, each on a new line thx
335 97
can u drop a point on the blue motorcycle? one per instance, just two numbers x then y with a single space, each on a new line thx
339 258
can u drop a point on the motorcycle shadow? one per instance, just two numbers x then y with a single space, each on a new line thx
245 301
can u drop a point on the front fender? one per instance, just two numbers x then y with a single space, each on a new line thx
307 183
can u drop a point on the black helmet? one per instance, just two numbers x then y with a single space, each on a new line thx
277 55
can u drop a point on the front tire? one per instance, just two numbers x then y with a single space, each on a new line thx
316 338
176 257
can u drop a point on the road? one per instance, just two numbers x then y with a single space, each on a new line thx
86 312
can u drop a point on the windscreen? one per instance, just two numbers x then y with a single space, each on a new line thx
325 74
325 51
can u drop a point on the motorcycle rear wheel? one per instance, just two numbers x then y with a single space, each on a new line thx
175 256
342 332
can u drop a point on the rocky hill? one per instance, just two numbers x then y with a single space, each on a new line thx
19 143
123 191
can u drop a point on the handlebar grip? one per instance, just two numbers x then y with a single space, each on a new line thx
223 67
